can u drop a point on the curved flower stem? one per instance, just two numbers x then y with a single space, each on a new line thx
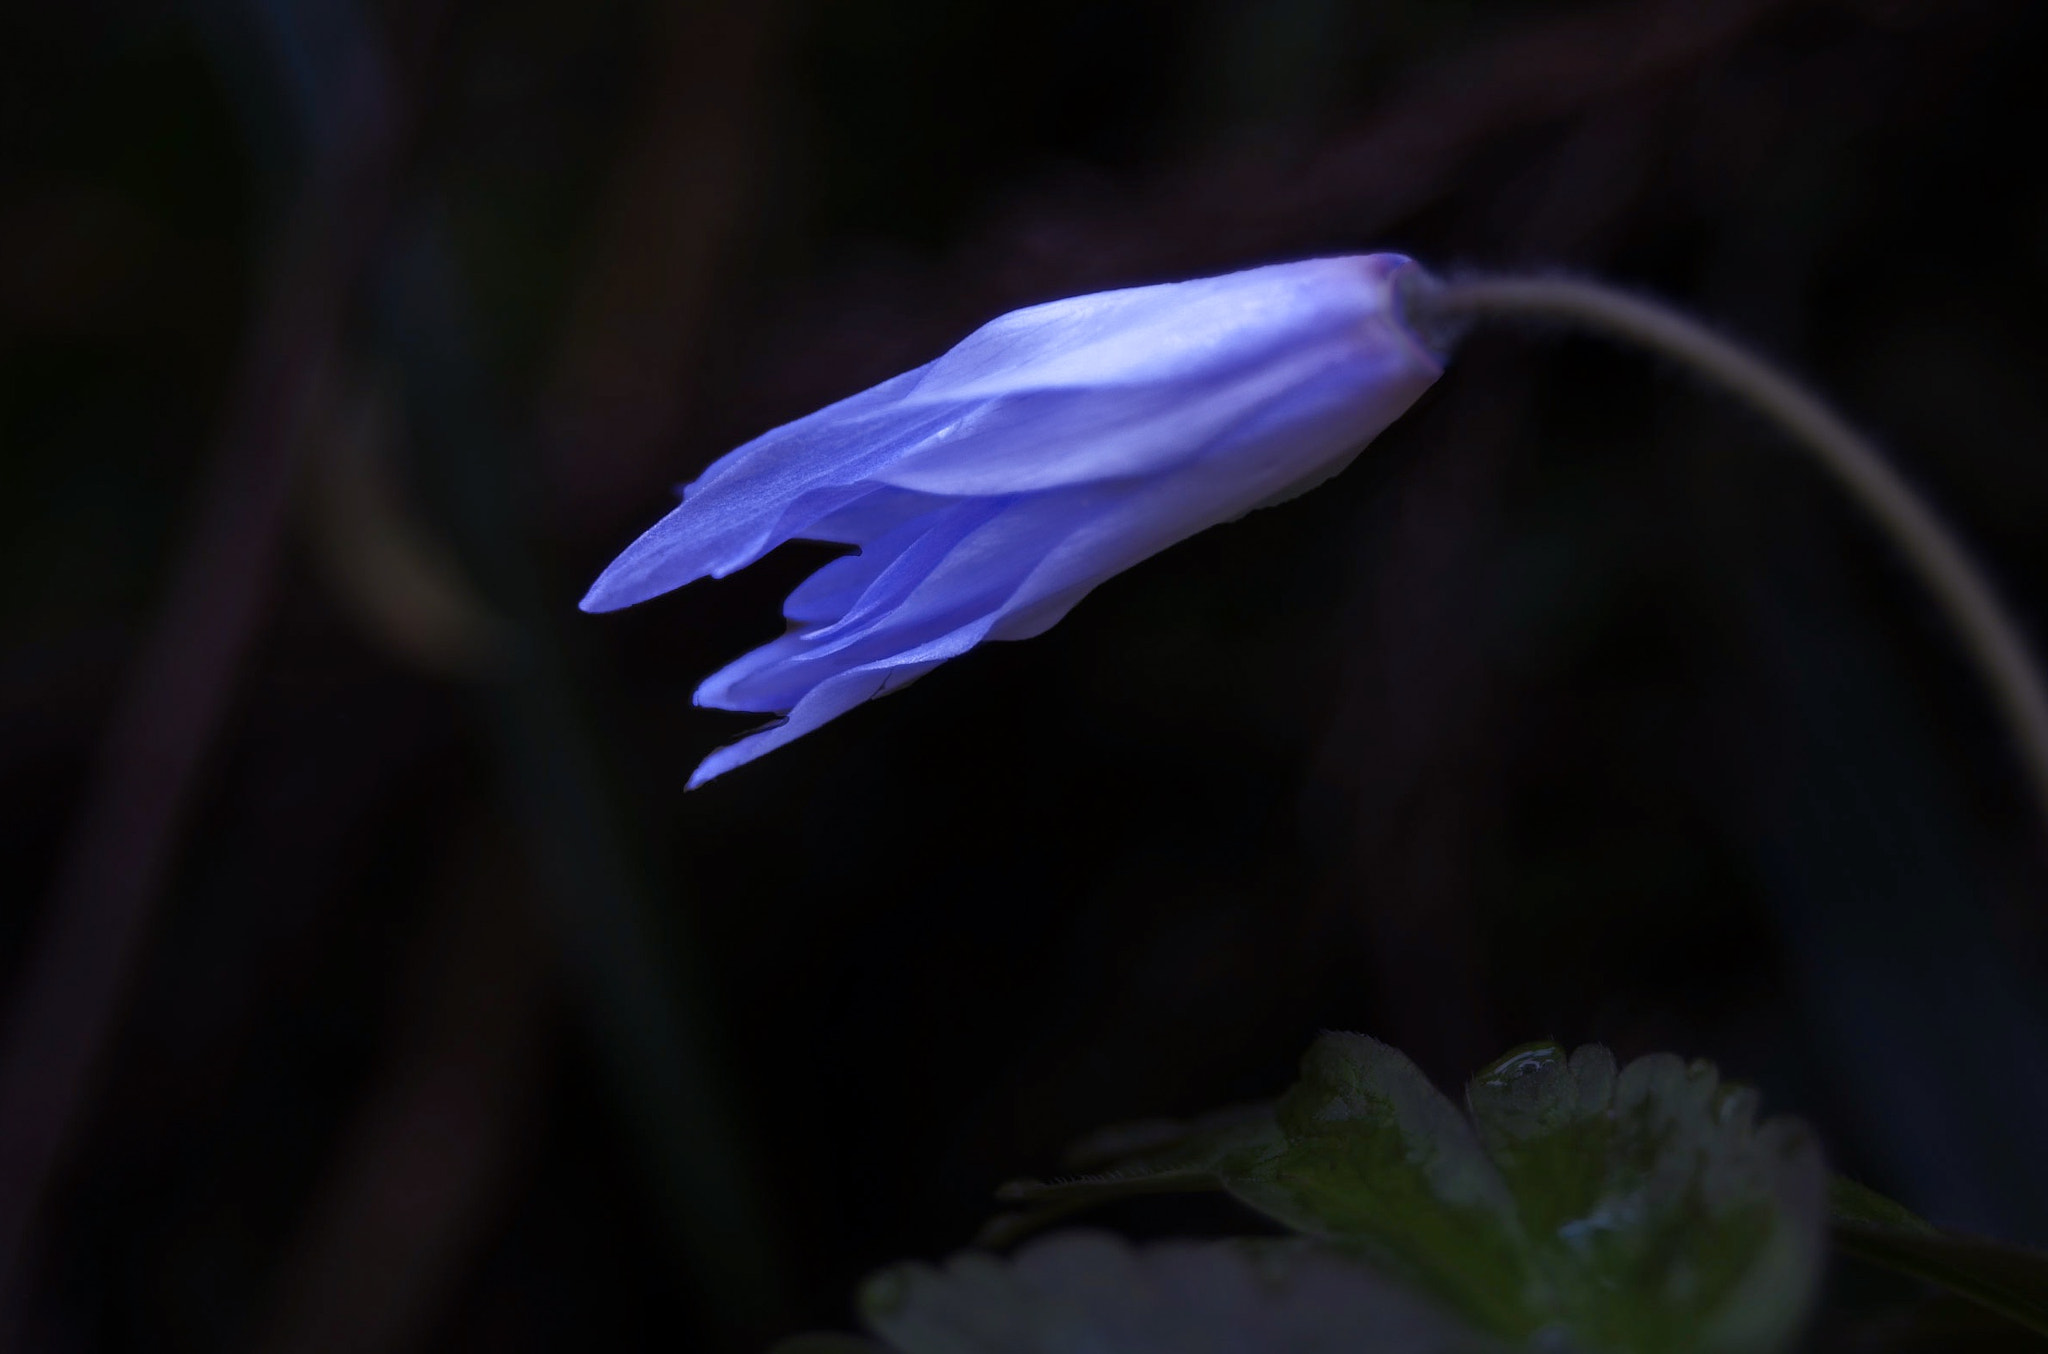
1987 629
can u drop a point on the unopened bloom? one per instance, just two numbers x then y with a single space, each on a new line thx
991 490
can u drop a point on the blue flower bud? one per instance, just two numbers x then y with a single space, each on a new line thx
990 490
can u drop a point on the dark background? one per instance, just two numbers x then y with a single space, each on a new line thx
372 985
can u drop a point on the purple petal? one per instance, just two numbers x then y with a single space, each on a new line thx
1131 382
993 489
879 511
836 695
1266 456
959 573
769 491
1159 334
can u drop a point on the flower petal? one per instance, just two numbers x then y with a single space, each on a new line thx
769 491
824 703
959 573
1160 334
836 695
991 490
1127 383
1023 562
1265 457
1095 387
881 510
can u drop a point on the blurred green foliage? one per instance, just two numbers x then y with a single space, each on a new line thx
1575 1204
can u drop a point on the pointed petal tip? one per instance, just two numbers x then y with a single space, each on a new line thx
734 754
603 597
625 582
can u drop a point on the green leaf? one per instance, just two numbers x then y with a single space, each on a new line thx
1617 1209
2010 1280
1379 1163
1659 1215
1088 1291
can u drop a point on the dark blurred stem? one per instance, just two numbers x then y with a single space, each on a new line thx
1988 632
644 990
431 1159
178 690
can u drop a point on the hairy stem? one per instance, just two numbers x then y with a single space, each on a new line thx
1988 632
